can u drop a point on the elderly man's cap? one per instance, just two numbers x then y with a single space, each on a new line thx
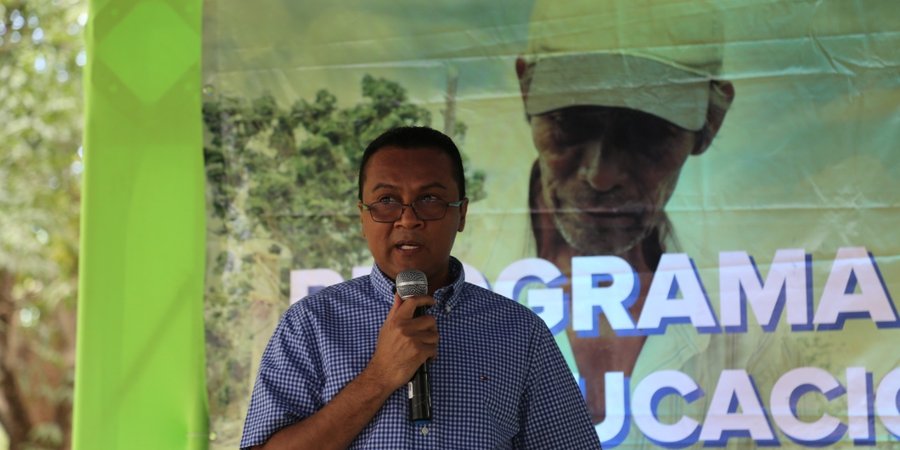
656 56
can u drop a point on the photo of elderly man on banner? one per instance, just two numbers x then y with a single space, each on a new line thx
618 96
617 103
698 198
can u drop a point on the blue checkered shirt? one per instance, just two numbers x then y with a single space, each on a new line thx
499 381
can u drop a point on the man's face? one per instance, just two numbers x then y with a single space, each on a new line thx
607 173
405 175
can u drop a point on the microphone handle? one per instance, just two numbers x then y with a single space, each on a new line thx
419 388
420 396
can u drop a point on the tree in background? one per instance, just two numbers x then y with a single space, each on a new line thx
41 54
281 187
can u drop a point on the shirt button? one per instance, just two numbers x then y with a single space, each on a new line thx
424 431
447 309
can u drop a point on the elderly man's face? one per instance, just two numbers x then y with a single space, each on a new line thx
607 173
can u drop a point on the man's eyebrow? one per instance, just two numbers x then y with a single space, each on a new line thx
434 185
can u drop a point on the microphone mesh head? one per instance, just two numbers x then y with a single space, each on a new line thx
412 282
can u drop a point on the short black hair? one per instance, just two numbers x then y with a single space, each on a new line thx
411 138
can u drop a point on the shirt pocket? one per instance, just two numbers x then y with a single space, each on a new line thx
501 406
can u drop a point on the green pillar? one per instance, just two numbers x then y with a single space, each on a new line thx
140 372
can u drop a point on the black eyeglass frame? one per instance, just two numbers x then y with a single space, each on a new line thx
403 206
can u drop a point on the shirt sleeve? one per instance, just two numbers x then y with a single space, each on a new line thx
288 384
553 412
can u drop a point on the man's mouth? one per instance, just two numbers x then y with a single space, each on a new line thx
614 216
620 211
407 246
617 220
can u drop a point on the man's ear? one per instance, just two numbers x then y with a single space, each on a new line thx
721 94
362 229
462 215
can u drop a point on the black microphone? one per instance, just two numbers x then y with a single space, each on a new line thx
409 283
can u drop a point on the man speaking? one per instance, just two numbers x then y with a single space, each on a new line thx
335 373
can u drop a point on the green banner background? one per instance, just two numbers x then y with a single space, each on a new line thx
806 159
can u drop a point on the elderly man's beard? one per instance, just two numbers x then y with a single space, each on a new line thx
601 224
590 238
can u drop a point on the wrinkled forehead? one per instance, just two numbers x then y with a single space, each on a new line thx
602 117
630 132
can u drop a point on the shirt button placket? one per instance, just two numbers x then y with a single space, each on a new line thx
424 437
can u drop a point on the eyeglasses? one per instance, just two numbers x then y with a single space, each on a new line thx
425 208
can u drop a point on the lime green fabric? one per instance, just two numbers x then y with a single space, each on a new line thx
139 380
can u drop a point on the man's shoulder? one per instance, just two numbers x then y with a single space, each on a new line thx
336 295
492 301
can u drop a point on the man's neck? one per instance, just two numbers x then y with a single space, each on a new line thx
446 277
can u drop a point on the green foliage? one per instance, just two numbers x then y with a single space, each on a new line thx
281 186
41 53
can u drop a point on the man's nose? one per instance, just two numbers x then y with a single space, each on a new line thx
602 166
408 218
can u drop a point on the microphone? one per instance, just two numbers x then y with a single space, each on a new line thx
409 283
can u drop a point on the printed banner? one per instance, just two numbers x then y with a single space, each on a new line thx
139 372
699 198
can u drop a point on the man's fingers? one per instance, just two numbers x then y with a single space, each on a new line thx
410 304
405 342
413 326
429 338
427 349
425 323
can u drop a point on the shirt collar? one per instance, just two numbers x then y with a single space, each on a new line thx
447 297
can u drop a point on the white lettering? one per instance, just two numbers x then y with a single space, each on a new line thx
740 283
736 410
548 303
614 428
886 401
602 283
675 274
647 396
852 269
859 404
786 394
